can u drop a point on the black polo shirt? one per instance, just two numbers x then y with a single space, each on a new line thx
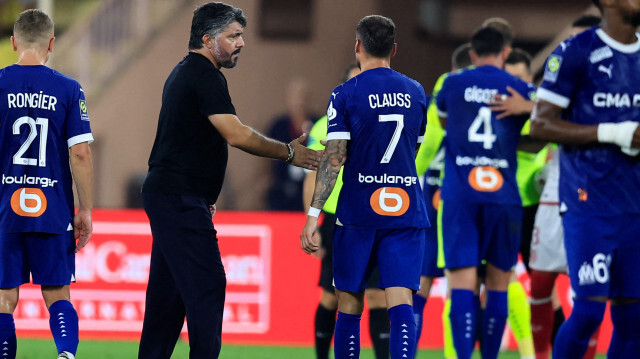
189 155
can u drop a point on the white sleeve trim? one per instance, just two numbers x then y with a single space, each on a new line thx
85 137
552 97
420 139
442 114
338 136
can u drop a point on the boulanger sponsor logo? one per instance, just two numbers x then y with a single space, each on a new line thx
29 202
553 67
481 161
485 179
24 179
390 201
388 179
595 272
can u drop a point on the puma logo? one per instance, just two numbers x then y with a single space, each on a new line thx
606 70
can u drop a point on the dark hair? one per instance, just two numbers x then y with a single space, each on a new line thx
517 56
487 41
213 18
345 76
460 57
597 4
586 21
503 26
377 34
33 25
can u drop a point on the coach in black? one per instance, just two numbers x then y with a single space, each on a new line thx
186 171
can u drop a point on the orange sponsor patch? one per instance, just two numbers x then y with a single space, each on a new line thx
390 201
435 200
29 202
485 179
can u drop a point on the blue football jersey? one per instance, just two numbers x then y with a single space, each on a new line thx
596 79
480 150
383 115
42 114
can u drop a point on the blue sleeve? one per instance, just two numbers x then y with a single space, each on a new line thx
78 127
339 128
562 74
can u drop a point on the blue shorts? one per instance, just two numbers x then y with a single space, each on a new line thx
50 258
430 261
603 254
472 232
397 252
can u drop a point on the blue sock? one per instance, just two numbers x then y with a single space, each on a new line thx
625 341
63 321
462 322
493 321
418 312
574 334
8 341
402 342
346 342
477 329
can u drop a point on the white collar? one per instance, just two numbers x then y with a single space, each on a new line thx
626 48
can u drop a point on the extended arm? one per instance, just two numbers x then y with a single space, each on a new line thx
333 158
546 125
251 141
80 161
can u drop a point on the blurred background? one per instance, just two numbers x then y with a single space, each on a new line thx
121 51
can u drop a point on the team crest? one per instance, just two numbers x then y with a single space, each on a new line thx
552 69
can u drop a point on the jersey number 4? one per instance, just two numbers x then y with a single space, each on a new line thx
487 137
18 158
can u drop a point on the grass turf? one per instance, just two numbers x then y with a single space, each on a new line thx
43 349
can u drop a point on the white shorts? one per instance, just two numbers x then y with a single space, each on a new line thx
547 244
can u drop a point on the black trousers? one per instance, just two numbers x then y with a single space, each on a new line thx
186 278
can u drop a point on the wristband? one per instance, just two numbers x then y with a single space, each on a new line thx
620 133
313 212
291 153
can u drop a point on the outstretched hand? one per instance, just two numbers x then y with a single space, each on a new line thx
514 104
303 156
82 228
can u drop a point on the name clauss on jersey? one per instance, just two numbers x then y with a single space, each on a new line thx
390 100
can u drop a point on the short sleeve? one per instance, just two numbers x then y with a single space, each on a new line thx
338 128
213 95
561 74
78 127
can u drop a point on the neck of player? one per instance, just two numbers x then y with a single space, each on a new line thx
370 63
618 28
31 56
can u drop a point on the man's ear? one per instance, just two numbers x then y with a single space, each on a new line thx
51 42
358 47
207 40
394 50
474 56
13 43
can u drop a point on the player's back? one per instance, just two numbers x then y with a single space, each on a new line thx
42 114
480 155
384 114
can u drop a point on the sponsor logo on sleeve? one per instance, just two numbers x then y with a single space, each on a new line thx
84 113
553 67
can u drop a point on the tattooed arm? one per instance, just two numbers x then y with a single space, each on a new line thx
332 160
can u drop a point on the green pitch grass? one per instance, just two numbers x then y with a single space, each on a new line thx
45 349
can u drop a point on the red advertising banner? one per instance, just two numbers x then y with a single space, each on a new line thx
272 290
